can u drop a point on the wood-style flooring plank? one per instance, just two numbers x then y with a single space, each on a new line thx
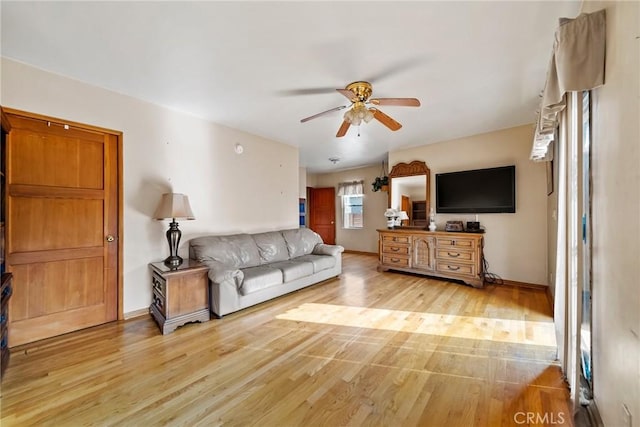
366 349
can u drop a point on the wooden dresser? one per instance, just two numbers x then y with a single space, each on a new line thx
434 253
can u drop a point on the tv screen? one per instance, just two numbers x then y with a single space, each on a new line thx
477 191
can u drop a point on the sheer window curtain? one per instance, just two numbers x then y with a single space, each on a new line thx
577 64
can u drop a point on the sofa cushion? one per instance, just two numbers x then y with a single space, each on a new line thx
237 250
292 270
320 262
260 277
271 247
301 241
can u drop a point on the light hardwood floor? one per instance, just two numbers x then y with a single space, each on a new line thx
369 348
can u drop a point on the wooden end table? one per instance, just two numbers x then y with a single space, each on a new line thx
180 294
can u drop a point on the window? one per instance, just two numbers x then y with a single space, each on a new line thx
352 211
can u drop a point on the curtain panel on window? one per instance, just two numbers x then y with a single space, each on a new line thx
351 188
577 64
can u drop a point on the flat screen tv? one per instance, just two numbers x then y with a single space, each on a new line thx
477 191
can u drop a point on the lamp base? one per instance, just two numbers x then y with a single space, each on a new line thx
173 237
173 261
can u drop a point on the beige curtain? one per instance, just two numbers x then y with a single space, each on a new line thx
354 188
577 64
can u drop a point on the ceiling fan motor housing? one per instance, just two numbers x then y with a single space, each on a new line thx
361 90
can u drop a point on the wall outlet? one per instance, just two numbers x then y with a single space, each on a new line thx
627 421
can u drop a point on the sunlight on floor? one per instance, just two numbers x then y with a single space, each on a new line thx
449 325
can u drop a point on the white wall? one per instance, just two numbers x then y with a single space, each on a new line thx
302 183
616 217
165 150
375 203
515 244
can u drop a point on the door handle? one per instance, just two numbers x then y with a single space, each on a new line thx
110 238
332 222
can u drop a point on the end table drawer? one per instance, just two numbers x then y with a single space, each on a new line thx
159 303
159 284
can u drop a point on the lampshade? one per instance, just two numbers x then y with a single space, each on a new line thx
174 206
391 213
402 216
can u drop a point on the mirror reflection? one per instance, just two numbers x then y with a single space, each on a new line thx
409 192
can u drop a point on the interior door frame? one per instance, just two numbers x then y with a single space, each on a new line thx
119 186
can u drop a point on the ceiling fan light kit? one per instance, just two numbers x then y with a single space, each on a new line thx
357 114
358 93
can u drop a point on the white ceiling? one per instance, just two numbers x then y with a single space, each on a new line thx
262 66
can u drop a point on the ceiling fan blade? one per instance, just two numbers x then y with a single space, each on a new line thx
306 119
385 120
305 91
347 94
343 129
401 102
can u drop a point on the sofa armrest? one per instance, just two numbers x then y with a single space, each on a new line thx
324 249
223 273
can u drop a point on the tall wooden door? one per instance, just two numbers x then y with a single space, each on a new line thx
322 213
62 224
405 205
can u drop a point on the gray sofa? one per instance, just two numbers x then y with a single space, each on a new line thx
247 269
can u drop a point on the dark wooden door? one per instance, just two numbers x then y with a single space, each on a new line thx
322 213
62 224
405 205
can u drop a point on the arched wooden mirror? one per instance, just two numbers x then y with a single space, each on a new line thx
409 191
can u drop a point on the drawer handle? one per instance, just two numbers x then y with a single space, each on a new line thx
395 260
157 302
3 343
3 319
453 255
156 284
395 249
454 268
393 239
6 291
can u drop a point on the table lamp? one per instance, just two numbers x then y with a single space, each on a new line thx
174 206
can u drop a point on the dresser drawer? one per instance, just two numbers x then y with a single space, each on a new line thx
456 242
398 261
389 238
455 255
395 249
455 268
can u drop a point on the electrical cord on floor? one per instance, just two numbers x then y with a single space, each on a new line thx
488 277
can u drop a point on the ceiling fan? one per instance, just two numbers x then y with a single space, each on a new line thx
358 93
